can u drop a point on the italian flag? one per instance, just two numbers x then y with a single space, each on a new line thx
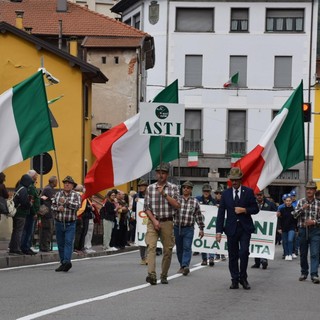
192 159
24 122
123 155
232 81
280 147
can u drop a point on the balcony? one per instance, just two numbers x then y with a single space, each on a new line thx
191 146
236 147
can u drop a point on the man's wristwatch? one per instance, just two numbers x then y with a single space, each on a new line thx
165 195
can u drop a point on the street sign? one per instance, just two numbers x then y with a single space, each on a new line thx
162 119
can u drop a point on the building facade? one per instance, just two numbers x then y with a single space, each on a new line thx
114 47
21 56
101 6
271 45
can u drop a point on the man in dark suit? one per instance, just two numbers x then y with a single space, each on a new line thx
240 203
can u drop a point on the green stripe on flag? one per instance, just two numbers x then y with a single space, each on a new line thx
290 139
192 154
170 146
32 118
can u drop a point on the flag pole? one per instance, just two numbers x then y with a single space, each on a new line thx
58 174
161 150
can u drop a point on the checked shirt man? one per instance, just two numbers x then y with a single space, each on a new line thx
308 214
160 205
65 205
184 220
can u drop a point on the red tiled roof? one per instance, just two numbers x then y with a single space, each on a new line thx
42 16
112 42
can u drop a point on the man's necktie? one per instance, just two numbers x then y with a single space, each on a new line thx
236 197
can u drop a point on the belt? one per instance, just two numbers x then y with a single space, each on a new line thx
164 219
65 221
188 226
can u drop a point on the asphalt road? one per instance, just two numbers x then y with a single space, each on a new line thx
114 287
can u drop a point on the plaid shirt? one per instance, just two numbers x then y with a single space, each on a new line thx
71 206
189 213
313 212
159 205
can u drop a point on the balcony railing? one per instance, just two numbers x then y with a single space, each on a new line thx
192 146
236 147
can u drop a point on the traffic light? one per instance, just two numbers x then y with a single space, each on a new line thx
306 111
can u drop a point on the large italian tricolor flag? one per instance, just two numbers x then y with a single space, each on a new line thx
280 148
123 155
24 122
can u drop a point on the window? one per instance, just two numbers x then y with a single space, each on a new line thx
193 71
285 20
86 101
136 21
116 60
104 60
282 72
192 131
239 64
191 172
236 142
194 19
239 19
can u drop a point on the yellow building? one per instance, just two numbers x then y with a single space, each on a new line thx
21 56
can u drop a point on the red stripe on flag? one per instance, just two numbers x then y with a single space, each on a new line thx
193 163
251 166
101 175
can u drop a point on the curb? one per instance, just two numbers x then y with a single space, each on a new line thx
8 261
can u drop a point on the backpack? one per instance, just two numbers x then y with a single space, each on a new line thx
9 206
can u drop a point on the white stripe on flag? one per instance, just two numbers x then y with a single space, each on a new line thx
10 143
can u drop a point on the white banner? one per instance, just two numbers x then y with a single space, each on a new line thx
262 242
161 119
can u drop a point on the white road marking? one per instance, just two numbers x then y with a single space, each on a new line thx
99 298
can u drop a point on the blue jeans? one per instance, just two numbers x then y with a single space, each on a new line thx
287 242
310 237
65 233
184 237
205 255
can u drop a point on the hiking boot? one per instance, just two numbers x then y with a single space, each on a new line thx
60 268
204 263
152 279
67 266
211 262
164 280
180 270
186 271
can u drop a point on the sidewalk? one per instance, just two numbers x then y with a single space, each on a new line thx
7 260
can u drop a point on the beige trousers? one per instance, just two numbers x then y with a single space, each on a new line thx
167 239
